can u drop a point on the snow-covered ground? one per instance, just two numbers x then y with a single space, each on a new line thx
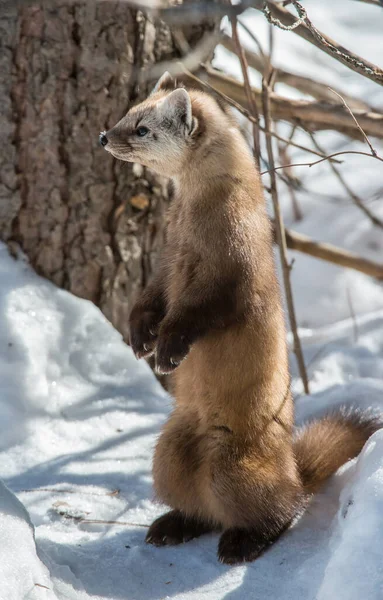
79 416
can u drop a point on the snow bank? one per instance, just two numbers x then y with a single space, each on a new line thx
78 418
22 574
358 531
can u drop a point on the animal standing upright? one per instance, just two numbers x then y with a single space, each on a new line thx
227 458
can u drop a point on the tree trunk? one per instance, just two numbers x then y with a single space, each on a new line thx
87 222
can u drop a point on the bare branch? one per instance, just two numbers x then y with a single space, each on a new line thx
249 94
278 216
307 31
312 115
330 253
306 85
281 240
274 194
373 2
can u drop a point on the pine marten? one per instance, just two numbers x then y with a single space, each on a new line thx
228 458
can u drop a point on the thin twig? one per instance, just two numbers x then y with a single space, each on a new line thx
289 180
281 240
102 522
283 155
278 216
291 136
357 201
253 37
80 492
373 151
317 355
316 162
248 90
269 59
82 520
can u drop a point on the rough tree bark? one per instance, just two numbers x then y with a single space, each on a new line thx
88 223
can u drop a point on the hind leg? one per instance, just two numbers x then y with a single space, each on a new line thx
259 499
238 545
176 473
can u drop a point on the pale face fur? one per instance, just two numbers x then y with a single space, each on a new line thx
188 131
169 126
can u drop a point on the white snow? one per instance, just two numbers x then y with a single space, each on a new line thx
22 574
358 525
79 416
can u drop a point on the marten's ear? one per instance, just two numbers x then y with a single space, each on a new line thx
177 107
165 82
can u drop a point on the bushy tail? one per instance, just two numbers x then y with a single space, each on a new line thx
322 446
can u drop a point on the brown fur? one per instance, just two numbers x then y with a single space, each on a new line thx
226 458
322 446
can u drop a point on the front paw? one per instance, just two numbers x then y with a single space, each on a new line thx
172 348
143 331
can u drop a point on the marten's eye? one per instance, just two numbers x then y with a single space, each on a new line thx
141 131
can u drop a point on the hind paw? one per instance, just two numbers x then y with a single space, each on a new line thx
239 545
175 528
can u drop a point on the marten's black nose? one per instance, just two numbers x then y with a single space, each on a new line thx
103 139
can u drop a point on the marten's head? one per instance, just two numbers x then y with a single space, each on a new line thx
159 132
171 130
